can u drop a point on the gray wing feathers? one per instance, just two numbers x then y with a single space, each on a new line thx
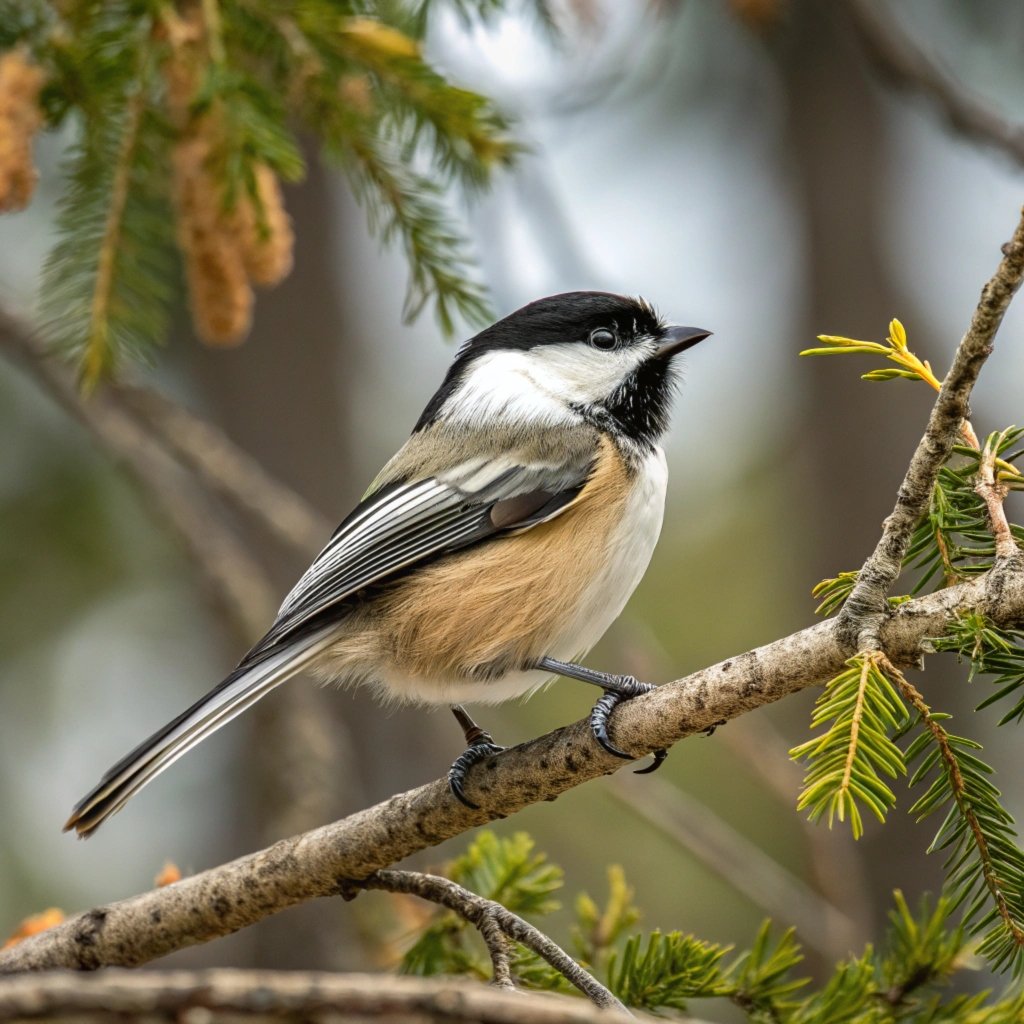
399 525
233 696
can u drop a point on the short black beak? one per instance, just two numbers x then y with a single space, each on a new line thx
677 339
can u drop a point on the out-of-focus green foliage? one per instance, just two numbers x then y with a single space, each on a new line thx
906 978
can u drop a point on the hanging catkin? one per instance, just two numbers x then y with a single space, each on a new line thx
20 119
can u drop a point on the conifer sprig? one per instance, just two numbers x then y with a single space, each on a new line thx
991 651
954 539
906 979
106 283
223 87
984 864
908 366
846 763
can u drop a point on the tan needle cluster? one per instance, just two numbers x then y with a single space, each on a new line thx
20 119
227 247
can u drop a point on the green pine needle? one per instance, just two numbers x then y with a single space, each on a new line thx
846 763
667 971
953 542
509 872
984 865
107 282
994 652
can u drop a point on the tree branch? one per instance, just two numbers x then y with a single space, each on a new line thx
487 915
226 898
906 66
318 863
226 470
292 997
859 620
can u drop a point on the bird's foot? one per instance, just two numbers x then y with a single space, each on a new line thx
480 746
625 688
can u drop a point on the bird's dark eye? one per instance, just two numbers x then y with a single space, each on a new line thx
601 337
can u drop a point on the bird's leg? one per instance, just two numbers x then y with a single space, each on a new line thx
616 690
480 745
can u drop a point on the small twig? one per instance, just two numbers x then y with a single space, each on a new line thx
897 994
899 59
226 469
498 947
861 617
855 724
489 915
98 344
993 493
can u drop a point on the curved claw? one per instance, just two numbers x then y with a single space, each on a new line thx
471 756
659 760
600 715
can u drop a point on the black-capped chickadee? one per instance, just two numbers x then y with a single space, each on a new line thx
492 551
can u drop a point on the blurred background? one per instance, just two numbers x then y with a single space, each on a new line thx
748 167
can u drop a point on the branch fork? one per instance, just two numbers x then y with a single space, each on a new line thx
232 896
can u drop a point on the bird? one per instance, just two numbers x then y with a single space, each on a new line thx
491 552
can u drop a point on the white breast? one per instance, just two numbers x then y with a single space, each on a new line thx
629 555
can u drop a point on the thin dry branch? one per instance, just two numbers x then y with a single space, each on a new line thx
905 65
226 470
865 609
235 579
293 997
232 896
488 915
994 493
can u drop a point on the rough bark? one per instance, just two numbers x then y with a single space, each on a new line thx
279 997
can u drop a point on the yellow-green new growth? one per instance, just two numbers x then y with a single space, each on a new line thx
845 763
895 349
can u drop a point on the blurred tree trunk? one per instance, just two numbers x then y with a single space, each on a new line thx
858 436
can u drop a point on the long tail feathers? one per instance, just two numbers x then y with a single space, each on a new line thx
239 691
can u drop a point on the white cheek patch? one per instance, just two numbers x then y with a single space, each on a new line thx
501 386
541 385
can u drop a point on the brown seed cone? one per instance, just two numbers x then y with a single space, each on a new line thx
760 15
356 92
20 119
264 232
220 295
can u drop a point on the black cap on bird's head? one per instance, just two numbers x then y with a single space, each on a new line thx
606 357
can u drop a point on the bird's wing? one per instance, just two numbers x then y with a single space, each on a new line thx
409 522
395 527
